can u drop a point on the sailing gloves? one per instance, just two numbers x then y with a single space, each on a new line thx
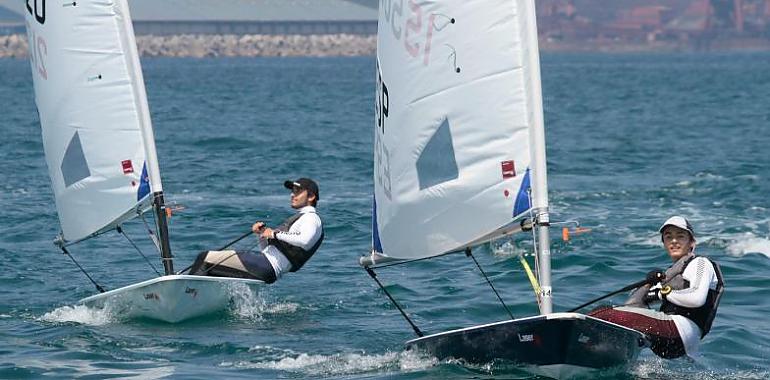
655 276
657 294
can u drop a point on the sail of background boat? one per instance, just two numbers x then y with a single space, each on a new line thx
100 149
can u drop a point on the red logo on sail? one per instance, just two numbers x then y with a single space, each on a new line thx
128 167
509 169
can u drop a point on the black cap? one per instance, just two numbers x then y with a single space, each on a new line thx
305 184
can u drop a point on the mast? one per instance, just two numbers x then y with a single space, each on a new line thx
539 170
148 137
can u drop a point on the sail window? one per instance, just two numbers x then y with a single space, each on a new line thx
437 163
74 166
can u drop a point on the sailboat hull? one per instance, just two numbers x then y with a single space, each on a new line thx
557 345
170 299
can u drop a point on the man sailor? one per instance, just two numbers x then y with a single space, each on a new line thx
689 292
285 248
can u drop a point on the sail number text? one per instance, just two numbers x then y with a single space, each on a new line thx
38 51
37 9
382 156
38 48
417 29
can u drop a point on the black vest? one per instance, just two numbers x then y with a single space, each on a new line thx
297 255
702 316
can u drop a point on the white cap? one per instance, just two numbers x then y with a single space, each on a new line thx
678 221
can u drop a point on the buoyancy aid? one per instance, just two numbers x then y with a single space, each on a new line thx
297 256
702 316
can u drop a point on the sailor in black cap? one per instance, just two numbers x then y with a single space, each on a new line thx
285 248
689 292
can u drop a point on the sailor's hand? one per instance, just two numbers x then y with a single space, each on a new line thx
655 276
657 294
257 227
652 296
268 233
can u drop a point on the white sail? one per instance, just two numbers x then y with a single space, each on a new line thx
93 110
459 124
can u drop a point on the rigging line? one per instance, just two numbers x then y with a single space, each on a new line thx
98 287
374 277
469 254
531 276
120 231
535 245
150 232
533 217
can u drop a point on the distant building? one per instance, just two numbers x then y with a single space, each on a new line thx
166 17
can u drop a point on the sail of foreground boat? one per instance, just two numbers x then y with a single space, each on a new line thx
459 160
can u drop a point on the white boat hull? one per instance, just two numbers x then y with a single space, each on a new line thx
172 299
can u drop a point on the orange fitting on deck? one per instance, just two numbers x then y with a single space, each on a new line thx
566 232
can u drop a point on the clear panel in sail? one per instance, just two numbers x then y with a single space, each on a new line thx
91 116
456 95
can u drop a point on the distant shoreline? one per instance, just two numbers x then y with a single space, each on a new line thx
199 46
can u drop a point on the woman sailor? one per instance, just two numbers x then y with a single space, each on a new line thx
689 292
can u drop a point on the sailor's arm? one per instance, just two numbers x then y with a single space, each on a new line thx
700 274
304 233
259 228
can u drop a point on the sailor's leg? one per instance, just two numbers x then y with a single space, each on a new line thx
197 266
659 327
240 264
258 265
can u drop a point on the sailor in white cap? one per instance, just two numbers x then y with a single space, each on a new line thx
689 292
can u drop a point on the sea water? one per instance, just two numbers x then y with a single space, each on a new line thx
632 139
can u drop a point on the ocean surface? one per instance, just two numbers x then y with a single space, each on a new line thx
631 140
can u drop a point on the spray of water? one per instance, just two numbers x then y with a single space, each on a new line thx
342 363
250 303
80 314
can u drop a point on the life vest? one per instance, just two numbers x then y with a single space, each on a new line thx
297 256
702 316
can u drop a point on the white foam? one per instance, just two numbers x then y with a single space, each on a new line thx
656 368
344 363
748 243
75 368
506 249
79 314
251 304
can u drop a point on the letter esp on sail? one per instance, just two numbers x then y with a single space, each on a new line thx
459 160
99 145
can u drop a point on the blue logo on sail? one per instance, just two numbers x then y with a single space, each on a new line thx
376 244
522 198
144 184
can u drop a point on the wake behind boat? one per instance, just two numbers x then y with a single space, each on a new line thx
100 148
459 160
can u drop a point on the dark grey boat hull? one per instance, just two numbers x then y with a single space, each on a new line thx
557 341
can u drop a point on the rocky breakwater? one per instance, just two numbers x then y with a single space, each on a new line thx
14 46
231 45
